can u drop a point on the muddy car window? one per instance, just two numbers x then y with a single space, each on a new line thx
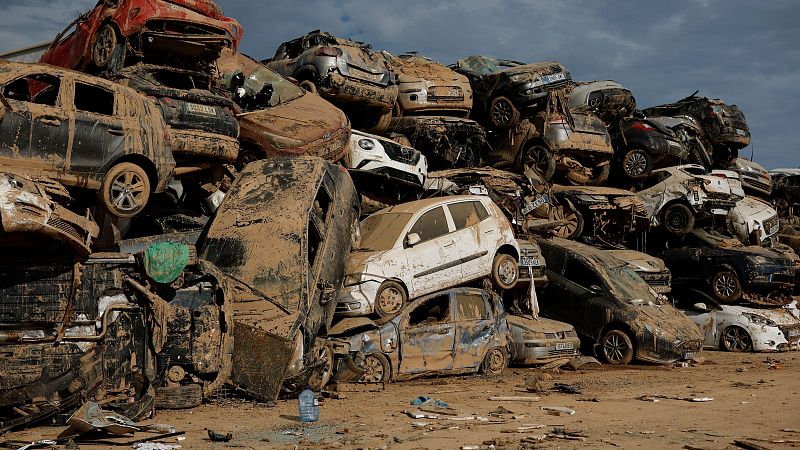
40 88
322 204
629 284
314 243
467 214
432 311
471 307
431 225
94 99
578 273
282 89
380 231
555 259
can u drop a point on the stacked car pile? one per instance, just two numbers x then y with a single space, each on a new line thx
177 216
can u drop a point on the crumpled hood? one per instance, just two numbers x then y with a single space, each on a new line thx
416 69
364 261
535 70
639 262
205 7
668 321
780 316
539 325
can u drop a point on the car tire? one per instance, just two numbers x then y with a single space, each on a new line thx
735 339
308 86
179 397
390 299
503 113
125 190
505 271
322 374
599 175
377 368
725 286
495 362
678 219
540 159
382 124
616 347
574 226
105 41
636 164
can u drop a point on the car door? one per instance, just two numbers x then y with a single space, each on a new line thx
582 306
427 336
706 320
474 327
475 237
99 135
435 259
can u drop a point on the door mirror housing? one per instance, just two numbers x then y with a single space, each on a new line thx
412 239
595 289
700 307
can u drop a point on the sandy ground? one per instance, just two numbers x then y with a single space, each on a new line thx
755 397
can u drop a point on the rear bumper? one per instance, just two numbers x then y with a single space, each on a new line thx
358 92
203 145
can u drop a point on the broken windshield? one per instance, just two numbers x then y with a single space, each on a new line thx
379 232
629 284
283 90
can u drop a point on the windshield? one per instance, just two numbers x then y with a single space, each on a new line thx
629 285
379 232
283 90
486 65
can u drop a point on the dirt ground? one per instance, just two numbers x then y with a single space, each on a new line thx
755 397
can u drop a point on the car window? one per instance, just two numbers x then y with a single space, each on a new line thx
314 243
555 258
466 214
580 274
379 232
471 306
654 179
431 225
93 99
37 88
432 311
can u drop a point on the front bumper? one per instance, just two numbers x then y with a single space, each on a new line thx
771 277
546 350
357 300
359 92
766 339
195 144
659 350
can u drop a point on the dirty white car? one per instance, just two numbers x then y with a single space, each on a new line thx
754 177
384 157
676 197
753 221
419 247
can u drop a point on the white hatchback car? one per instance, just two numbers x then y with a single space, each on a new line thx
420 247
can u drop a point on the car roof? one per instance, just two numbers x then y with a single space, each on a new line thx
417 205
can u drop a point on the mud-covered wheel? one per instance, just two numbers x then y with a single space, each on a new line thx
503 113
540 158
678 219
505 271
376 368
125 190
495 362
637 163
616 347
308 86
323 371
104 43
736 339
382 123
390 299
248 154
725 286
573 226
599 175
179 397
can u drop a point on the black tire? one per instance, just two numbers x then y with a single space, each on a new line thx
636 164
599 175
725 286
382 123
503 113
505 271
540 158
390 299
573 228
495 362
248 154
125 190
308 86
322 374
179 397
678 219
105 41
616 347
378 369
735 339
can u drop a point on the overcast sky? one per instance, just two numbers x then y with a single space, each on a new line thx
744 52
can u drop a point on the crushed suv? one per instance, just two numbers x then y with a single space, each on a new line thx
347 73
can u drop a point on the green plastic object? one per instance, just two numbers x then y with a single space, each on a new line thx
165 261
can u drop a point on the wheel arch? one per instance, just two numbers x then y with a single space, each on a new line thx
507 249
142 161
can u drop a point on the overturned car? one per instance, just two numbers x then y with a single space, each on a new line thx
446 141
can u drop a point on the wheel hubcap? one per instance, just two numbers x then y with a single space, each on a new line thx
374 371
502 112
614 348
677 220
566 230
725 285
736 339
390 300
507 271
495 361
636 164
127 191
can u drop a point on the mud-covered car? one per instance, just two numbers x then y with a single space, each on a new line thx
785 190
612 307
84 132
601 215
505 90
727 269
459 330
427 87
347 73
538 340
283 233
688 131
650 268
419 247
581 147
202 121
446 141
643 144
678 197
374 158
163 30
753 221
755 179
610 100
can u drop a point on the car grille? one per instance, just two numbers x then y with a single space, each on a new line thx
401 154
756 183
398 174
563 352
67 228
770 224
790 332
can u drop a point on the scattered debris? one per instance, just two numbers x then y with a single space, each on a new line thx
558 410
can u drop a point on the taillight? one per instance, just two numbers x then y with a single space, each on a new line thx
642 126
327 51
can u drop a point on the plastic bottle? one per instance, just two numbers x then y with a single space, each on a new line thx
309 406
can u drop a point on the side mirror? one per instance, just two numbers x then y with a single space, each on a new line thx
700 307
595 289
5 103
412 239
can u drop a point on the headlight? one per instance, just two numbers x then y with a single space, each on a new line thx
759 320
366 144
760 260
353 278
518 77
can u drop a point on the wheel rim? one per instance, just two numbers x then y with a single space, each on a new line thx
502 113
104 45
677 220
496 360
507 271
539 159
319 378
614 348
390 300
725 285
635 164
565 231
127 191
374 370
736 339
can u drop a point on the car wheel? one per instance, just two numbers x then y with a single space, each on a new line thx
616 347
382 124
678 219
725 286
503 113
541 160
309 86
495 362
104 43
322 374
636 164
736 339
377 369
125 190
573 226
599 175
505 271
390 299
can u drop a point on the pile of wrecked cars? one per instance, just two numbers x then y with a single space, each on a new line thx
181 220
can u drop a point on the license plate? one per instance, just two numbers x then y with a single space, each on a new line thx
535 204
564 345
741 132
446 92
201 109
529 261
547 79
688 355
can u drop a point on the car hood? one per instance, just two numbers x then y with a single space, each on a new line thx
539 324
205 7
639 262
355 56
365 261
416 69
535 70
780 316
750 208
667 320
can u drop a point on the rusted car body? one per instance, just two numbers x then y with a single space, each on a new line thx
446 141
612 307
581 146
649 268
203 126
454 331
610 100
279 118
538 340
195 30
84 132
283 232
29 210
428 88
345 72
687 130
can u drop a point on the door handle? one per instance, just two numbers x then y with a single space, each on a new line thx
51 120
116 132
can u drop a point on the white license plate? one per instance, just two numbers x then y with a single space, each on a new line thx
201 109
741 132
546 79
564 345
529 261
446 92
535 204
688 355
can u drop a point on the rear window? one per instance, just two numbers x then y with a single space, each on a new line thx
467 214
471 306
